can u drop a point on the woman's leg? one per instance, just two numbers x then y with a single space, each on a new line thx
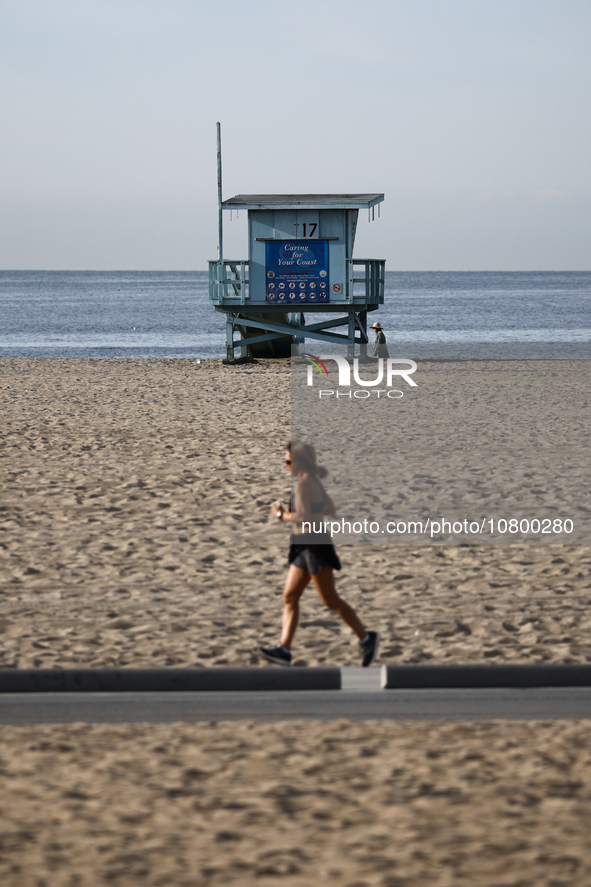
295 584
324 582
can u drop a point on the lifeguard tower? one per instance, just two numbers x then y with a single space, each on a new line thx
300 260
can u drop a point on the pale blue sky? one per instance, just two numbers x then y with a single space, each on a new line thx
473 116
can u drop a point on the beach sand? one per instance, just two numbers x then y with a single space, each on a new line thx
134 531
486 445
299 804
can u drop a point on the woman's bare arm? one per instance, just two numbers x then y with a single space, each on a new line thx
304 494
279 511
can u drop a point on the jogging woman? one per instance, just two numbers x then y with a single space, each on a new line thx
311 557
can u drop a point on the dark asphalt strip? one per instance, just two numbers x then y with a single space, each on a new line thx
548 703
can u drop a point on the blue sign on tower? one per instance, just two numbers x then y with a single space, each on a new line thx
297 272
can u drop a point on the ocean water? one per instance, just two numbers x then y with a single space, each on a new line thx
166 314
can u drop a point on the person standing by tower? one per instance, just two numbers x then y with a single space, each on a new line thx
380 348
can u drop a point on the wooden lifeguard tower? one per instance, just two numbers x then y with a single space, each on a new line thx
300 260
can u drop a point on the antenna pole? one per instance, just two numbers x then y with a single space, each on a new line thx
220 225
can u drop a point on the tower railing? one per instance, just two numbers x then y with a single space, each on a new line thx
370 286
228 280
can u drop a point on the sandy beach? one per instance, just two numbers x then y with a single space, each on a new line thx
135 532
351 805
500 444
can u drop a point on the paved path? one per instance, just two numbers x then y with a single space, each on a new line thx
360 699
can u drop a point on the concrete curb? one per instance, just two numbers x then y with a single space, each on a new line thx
140 680
415 677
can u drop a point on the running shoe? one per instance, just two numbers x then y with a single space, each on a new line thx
369 648
277 655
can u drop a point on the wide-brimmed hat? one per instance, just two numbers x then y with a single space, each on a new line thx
376 326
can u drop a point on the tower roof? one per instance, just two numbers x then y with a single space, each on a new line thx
302 201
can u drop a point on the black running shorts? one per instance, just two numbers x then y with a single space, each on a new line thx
314 558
